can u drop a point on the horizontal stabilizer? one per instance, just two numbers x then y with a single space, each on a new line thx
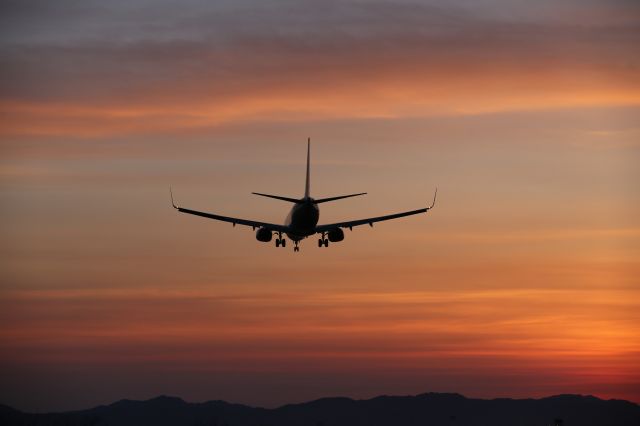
324 200
278 197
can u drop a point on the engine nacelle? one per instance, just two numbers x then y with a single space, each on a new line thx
335 235
264 235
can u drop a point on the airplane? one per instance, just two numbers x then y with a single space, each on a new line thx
302 220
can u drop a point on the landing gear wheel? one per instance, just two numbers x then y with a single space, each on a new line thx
277 242
326 243
320 242
296 249
283 242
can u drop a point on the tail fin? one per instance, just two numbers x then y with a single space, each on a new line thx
307 183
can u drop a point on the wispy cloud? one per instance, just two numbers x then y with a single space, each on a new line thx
342 61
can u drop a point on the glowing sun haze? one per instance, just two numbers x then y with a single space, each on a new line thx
522 282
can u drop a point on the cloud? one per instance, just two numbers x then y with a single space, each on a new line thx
68 21
572 335
262 58
131 69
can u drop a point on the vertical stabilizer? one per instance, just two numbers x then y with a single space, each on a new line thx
306 186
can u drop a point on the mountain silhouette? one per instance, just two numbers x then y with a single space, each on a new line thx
427 409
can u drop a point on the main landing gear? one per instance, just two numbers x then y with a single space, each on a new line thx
280 242
323 241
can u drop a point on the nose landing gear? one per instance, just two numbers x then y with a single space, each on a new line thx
296 248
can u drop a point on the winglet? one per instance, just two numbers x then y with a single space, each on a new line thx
172 203
434 199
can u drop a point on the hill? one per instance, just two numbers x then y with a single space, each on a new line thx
426 409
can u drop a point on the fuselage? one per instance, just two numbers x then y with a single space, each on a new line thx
302 219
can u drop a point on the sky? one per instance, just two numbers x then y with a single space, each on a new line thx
523 281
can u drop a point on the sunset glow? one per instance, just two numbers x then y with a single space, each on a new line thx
522 282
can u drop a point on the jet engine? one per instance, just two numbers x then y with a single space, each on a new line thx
335 235
263 235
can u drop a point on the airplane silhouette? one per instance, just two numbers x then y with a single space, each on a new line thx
302 220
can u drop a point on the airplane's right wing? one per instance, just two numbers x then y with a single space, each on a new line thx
370 221
234 220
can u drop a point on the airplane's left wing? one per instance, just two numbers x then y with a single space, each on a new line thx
370 221
234 220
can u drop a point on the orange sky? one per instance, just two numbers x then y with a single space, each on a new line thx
521 282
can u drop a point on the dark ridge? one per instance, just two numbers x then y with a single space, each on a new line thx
421 410
7 409
161 400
